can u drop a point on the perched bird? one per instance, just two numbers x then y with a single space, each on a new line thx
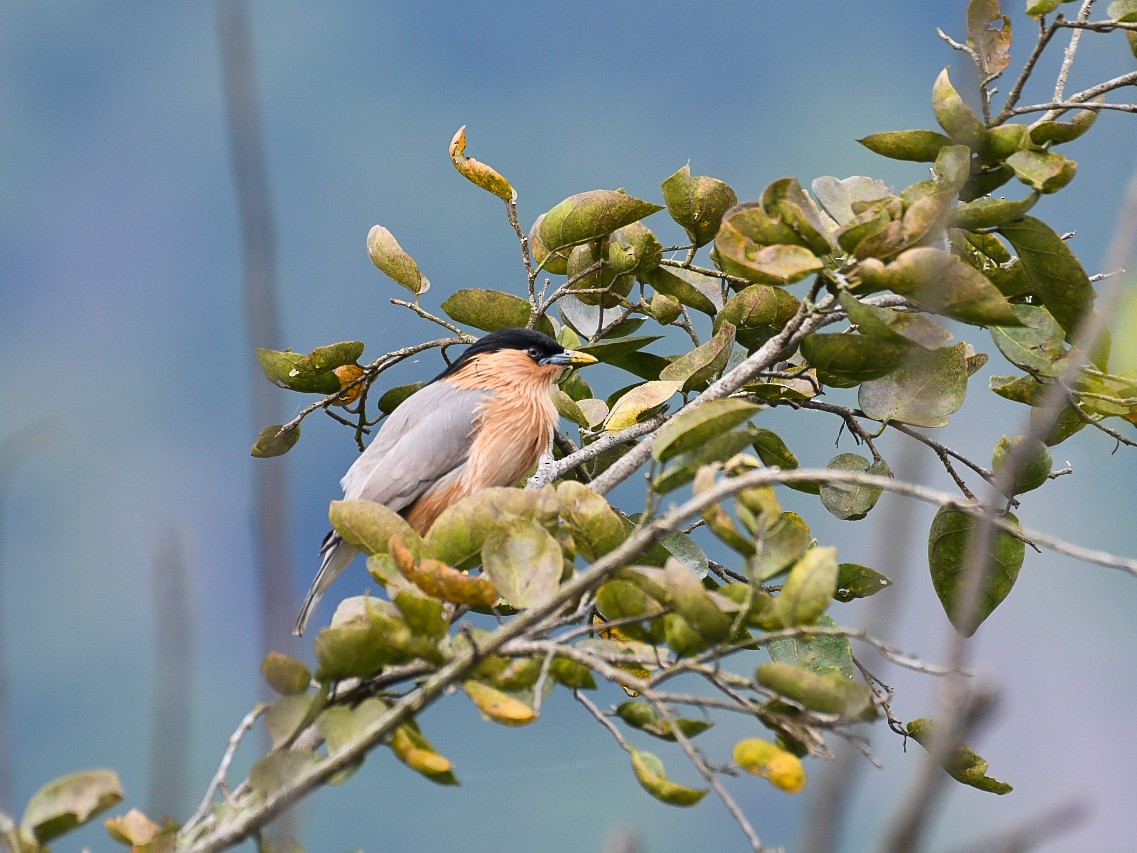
484 421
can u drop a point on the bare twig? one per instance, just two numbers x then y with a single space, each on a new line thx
218 779
557 468
1071 51
1045 34
426 315
603 720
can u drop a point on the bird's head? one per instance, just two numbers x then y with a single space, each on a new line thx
517 351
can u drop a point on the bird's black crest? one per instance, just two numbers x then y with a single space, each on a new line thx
521 339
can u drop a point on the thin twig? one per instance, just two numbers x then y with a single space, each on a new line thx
603 720
218 779
426 315
707 773
1070 52
1045 34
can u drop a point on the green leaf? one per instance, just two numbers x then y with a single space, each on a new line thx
838 198
394 397
891 326
820 653
287 676
853 358
718 448
688 598
758 312
942 283
1038 8
632 406
68 802
589 215
634 249
829 692
358 645
923 391
272 442
369 525
775 453
664 309
849 501
573 675
774 264
922 146
491 310
1044 171
278 770
1036 345
426 617
642 716
808 588
990 212
389 257
962 763
954 116
289 714
596 528
652 776
329 357
949 543
1055 274
1033 471
284 370
688 288
616 285
782 545
1059 132
553 262
857 581
524 563
697 203
693 427
458 534
702 365
609 350
786 200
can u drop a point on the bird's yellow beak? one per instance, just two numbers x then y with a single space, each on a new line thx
570 358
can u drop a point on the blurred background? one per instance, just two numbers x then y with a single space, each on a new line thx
128 373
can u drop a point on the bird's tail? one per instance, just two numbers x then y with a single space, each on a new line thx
336 554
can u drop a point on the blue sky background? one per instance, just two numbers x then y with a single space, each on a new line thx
122 338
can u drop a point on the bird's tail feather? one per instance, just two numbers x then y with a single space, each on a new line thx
337 555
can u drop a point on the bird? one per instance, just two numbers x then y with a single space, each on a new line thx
484 421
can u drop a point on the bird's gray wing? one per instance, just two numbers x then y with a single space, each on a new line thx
423 440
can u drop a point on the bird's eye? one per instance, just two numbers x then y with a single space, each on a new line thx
534 352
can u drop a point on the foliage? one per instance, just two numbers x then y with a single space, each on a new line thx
586 592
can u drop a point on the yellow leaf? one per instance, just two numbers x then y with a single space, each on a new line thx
498 706
476 172
766 759
627 409
347 374
133 828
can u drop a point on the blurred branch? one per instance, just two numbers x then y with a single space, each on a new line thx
1038 830
14 451
170 735
250 176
